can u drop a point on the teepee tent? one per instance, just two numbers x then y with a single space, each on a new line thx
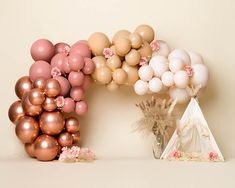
192 140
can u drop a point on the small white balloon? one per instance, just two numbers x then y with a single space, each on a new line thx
195 58
181 95
181 79
155 85
176 64
168 78
182 54
200 75
145 72
159 65
141 87
163 50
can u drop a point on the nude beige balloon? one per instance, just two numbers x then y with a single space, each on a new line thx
146 51
49 104
122 46
99 62
103 75
113 49
114 62
29 108
52 88
136 40
120 76
46 148
29 148
97 42
146 32
120 34
51 123
112 86
27 129
22 86
133 57
65 139
132 73
15 112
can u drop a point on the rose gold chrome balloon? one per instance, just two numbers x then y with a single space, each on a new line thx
22 86
76 137
15 112
65 139
49 104
27 129
40 83
46 148
72 125
29 148
52 88
29 108
36 96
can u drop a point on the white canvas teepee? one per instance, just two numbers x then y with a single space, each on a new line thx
192 140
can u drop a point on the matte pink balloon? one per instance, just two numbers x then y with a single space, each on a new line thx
64 85
65 65
76 78
81 108
76 62
42 49
69 105
87 82
57 61
77 93
40 69
89 67
81 48
62 48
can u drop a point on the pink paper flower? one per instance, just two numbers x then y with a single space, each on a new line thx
66 50
55 71
154 45
175 154
189 70
107 52
212 156
59 101
143 61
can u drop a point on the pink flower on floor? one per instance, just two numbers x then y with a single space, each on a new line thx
175 154
66 50
189 70
107 52
55 71
154 45
143 61
59 101
212 156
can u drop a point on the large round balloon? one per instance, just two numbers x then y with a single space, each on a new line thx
40 69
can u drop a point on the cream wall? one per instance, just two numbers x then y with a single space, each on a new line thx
206 26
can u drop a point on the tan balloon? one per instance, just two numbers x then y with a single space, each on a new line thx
132 73
120 76
39 83
49 104
103 75
22 86
72 125
146 32
76 137
65 139
29 148
52 88
27 129
133 57
136 40
122 46
114 62
36 96
51 123
146 50
46 148
99 62
97 42
112 86
29 108
113 49
15 112
120 34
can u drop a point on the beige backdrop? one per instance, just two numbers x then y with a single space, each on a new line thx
206 26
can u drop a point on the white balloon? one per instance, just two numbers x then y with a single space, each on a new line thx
155 85
176 64
181 95
195 58
181 79
168 78
141 87
159 65
200 75
182 54
145 72
163 50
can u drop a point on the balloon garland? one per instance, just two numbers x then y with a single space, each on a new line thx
61 74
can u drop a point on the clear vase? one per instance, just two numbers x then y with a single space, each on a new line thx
158 146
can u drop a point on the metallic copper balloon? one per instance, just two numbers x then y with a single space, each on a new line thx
72 125
76 137
16 111
40 83
49 104
36 96
51 123
52 88
22 86
29 108
46 148
65 139
29 148
27 129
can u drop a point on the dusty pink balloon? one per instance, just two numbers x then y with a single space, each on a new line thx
64 85
42 49
77 93
57 61
69 105
40 69
76 78
81 108
65 65
76 62
81 48
87 82
89 67
62 48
